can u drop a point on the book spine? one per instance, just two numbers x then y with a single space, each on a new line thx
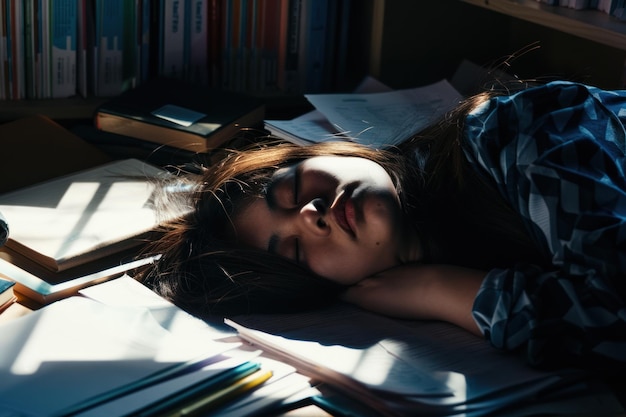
197 45
270 44
17 38
215 42
29 48
109 38
9 51
81 48
63 47
340 55
3 53
251 47
36 33
313 41
145 39
290 77
240 66
130 46
227 35
44 21
173 38
332 45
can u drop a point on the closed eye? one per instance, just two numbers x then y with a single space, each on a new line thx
296 186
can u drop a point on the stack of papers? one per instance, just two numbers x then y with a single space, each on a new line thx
121 350
373 115
396 367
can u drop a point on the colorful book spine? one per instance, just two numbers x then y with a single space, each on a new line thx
63 31
81 49
44 41
29 49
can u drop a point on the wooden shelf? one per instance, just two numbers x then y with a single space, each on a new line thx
589 24
58 109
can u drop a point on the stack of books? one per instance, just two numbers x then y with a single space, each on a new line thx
81 228
7 296
73 220
119 349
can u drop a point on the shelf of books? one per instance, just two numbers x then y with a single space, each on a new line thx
68 50
599 24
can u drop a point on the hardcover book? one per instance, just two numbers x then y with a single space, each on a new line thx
180 114
43 286
81 217
7 296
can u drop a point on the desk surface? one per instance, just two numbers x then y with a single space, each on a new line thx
23 307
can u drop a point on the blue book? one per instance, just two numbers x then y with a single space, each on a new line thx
63 40
6 293
109 58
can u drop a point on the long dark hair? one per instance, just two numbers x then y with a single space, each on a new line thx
460 217
203 270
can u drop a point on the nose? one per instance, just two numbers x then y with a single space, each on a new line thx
312 217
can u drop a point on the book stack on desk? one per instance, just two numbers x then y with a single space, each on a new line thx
121 350
395 367
81 228
178 114
7 296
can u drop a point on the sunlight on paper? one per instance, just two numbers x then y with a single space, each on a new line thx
140 338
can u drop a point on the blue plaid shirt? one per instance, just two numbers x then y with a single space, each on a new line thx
558 153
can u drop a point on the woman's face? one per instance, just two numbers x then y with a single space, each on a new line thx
339 216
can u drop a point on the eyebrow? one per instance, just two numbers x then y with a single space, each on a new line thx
272 244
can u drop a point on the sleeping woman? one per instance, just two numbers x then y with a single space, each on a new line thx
506 218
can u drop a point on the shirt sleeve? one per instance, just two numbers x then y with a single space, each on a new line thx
557 154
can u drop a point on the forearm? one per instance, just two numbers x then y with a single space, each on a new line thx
435 292
454 293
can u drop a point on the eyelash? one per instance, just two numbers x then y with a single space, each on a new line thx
296 179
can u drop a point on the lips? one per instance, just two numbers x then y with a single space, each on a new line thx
343 212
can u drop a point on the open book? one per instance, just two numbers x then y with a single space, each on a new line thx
71 220
401 367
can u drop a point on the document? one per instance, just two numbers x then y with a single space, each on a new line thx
401 366
374 115
77 352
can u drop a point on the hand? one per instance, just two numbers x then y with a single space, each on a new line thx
426 292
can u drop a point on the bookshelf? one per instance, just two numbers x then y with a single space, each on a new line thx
420 42
407 43
588 24
227 44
